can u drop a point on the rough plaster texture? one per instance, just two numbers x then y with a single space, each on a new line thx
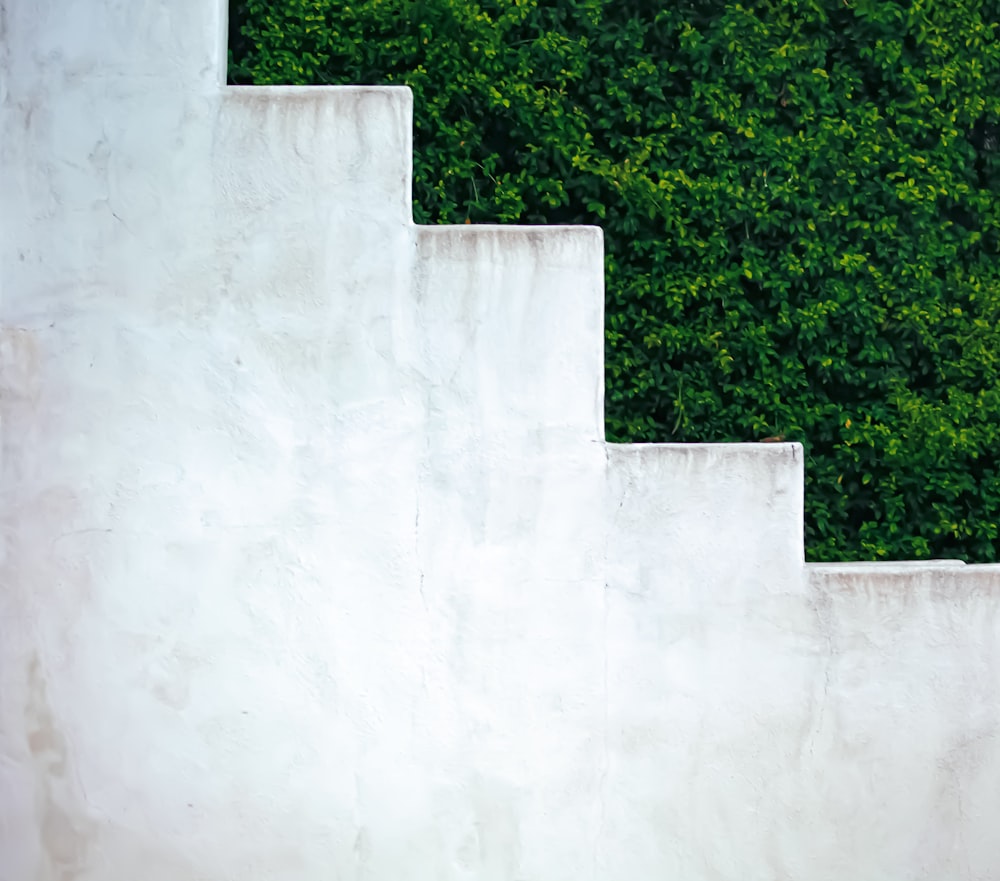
315 564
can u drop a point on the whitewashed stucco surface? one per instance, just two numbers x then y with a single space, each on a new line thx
314 561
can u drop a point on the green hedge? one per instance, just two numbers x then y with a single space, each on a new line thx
800 204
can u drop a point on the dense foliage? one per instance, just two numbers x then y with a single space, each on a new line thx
800 203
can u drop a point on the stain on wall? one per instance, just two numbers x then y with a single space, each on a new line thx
67 834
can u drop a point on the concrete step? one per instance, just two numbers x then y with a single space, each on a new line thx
696 524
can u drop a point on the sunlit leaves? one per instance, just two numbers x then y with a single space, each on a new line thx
800 205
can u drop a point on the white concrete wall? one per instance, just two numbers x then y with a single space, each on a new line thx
314 562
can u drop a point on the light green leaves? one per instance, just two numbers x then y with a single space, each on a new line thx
799 205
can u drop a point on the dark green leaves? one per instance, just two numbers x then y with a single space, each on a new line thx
799 205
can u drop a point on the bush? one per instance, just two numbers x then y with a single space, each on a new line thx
800 204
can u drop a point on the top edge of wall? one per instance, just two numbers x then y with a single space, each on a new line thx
880 566
319 89
512 229
903 573
897 567
738 448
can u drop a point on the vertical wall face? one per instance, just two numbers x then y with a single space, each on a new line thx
314 562
909 721
301 558
710 676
